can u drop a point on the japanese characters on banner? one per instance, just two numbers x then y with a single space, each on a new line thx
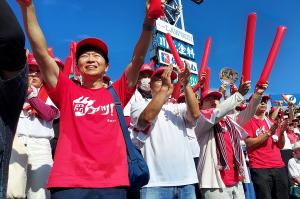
184 44
184 49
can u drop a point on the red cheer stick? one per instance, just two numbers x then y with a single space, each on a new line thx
174 51
176 90
68 66
196 87
73 48
272 55
205 57
249 44
207 81
155 9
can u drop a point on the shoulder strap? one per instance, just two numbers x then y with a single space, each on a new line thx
121 119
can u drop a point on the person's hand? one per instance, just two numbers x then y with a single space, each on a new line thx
184 74
202 80
244 87
222 88
278 103
260 89
167 85
233 88
284 126
273 128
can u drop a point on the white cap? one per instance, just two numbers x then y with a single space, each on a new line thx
296 145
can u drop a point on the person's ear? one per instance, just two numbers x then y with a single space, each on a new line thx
106 67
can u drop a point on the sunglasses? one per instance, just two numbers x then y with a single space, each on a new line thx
264 101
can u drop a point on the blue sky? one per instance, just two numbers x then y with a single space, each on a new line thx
119 23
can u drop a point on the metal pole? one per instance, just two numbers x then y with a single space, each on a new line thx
181 17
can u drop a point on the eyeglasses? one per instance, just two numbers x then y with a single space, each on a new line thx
265 101
88 54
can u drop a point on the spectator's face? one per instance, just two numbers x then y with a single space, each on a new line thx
210 102
295 124
91 64
34 77
143 75
155 85
291 126
262 107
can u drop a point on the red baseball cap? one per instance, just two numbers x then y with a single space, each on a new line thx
159 71
209 92
92 42
147 68
31 60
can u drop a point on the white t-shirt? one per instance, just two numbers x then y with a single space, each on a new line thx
294 167
32 126
136 97
195 149
166 148
287 142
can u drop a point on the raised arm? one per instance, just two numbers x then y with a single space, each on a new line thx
193 111
153 108
245 115
230 103
291 112
140 50
204 123
48 66
275 113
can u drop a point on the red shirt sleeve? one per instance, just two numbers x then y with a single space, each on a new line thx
123 91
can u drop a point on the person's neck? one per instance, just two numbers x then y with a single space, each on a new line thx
260 115
93 84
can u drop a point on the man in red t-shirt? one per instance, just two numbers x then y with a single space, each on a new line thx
266 166
90 159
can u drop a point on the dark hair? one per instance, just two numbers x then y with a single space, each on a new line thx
86 48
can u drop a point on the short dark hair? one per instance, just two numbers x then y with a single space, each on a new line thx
86 48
